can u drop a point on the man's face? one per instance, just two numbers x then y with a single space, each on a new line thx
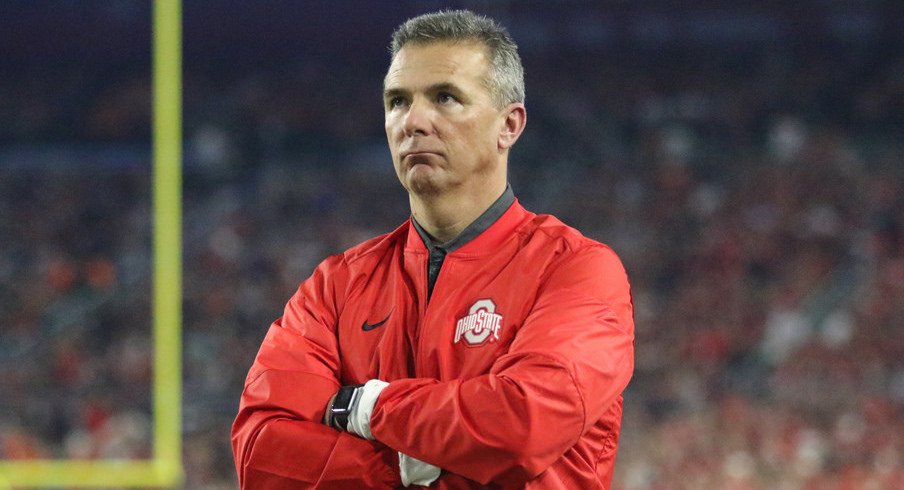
442 127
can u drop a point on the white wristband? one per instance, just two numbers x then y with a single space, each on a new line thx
359 416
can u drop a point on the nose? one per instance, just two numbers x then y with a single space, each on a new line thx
417 120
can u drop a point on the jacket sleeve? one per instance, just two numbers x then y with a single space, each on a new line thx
570 361
278 439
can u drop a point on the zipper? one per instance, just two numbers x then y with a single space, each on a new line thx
422 321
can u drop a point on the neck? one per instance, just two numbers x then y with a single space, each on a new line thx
445 216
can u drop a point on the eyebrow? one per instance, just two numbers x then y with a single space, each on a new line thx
437 87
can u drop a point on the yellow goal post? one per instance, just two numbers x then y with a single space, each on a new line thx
165 468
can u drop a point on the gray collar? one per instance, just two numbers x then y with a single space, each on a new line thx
478 226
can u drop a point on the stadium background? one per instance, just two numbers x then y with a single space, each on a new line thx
746 162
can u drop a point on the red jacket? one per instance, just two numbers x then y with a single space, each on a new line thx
510 376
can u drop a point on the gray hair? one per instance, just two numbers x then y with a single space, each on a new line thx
505 79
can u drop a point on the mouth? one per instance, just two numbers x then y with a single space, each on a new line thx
419 157
418 154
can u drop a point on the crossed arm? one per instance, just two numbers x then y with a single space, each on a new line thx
494 427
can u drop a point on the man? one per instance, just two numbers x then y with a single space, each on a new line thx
477 345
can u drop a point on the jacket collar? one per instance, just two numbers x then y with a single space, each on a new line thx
488 231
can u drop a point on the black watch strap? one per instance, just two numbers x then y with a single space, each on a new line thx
342 406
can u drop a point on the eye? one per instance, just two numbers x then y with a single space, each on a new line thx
445 98
395 102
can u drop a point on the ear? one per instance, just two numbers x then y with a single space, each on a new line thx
512 127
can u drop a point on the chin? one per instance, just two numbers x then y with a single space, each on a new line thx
422 180
423 186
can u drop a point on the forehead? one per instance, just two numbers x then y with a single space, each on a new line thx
437 62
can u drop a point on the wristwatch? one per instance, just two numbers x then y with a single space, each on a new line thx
342 406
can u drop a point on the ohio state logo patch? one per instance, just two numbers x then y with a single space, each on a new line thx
480 322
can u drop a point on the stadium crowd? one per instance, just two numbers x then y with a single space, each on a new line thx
756 198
